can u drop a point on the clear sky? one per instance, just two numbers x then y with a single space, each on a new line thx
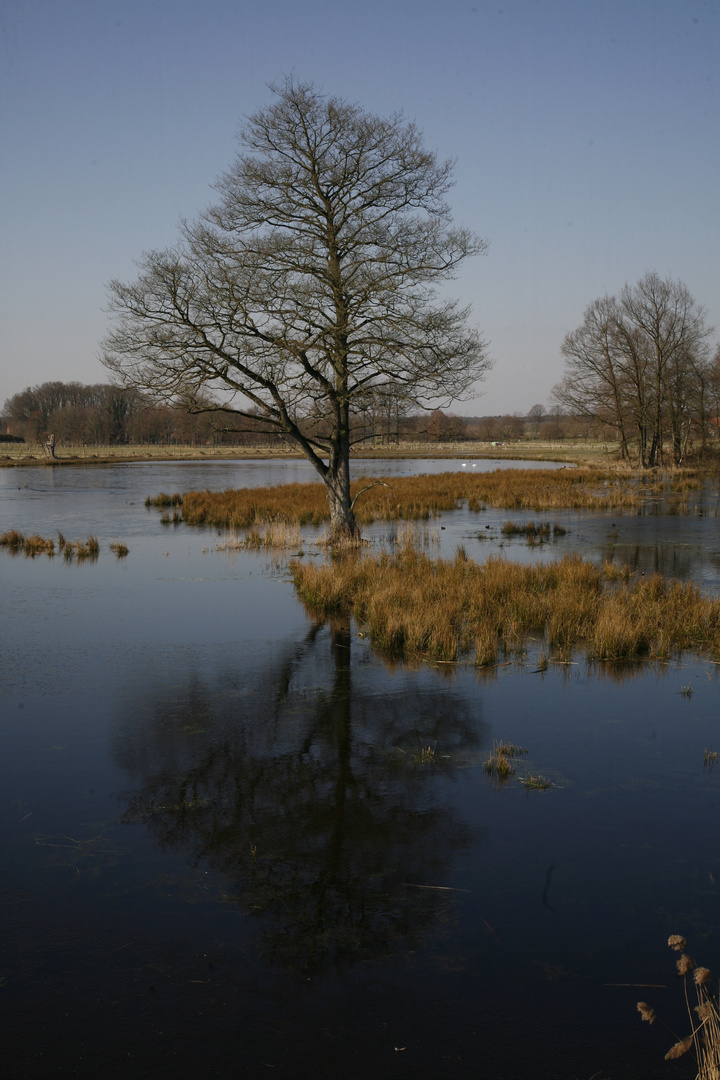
586 133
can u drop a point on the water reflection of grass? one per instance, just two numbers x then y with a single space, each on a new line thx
456 609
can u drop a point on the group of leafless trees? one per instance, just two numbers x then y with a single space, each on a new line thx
103 414
641 365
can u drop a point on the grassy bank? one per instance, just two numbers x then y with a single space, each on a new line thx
423 497
412 605
19 454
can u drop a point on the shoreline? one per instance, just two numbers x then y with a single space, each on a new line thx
136 455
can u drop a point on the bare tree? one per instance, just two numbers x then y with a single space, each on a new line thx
311 282
637 363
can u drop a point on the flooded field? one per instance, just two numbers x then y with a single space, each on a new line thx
235 840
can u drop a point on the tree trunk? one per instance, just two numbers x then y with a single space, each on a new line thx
343 526
342 518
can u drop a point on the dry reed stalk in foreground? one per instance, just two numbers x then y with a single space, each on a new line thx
705 1024
445 609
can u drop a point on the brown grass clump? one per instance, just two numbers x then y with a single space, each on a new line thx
536 783
447 609
705 1024
165 500
416 497
83 551
13 539
501 764
31 546
120 550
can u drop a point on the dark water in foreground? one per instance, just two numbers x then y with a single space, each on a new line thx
225 852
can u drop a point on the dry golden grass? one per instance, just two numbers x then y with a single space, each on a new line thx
420 497
449 609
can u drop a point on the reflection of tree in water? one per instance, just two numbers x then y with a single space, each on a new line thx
311 798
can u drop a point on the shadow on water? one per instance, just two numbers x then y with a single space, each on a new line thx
314 802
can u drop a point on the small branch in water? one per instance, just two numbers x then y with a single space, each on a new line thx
438 888
376 483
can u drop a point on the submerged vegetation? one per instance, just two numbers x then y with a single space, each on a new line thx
448 610
421 497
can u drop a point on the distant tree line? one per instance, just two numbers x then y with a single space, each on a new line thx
640 364
102 414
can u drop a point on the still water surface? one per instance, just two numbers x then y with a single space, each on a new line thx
224 849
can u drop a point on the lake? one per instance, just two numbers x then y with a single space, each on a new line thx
236 840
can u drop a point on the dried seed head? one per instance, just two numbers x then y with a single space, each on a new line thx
704 1011
701 975
679 1049
684 964
677 942
646 1012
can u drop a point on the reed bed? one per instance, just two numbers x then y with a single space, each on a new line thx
419 497
450 610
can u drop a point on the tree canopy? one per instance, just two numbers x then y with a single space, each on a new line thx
310 285
640 363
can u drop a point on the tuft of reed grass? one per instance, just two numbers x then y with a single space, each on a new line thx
165 500
704 1015
83 551
31 546
501 764
120 550
13 539
38 545
443 610
535 782
710 757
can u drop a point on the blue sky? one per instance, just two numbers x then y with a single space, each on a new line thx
586 134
